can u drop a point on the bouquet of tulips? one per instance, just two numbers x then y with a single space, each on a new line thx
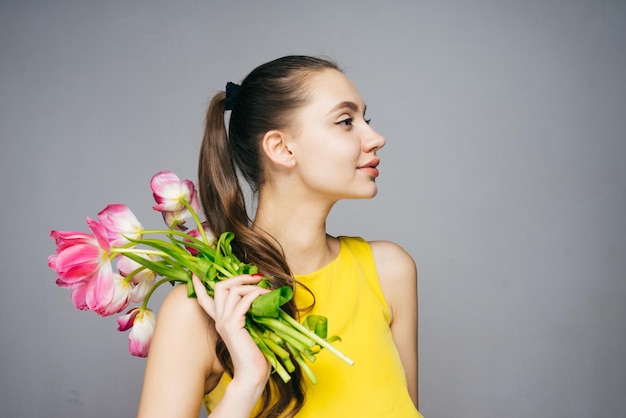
120 263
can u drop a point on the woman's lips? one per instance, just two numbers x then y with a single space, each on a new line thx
371 168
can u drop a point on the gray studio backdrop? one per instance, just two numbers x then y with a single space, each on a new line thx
504 175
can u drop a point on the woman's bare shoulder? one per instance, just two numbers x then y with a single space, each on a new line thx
398 276
183 324
178 308
177 299
392 261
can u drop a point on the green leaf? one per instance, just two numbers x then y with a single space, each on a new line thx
318 324
191 292
223 246
225 240
268 305
264 283
159 268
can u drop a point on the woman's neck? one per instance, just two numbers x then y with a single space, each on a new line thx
300 229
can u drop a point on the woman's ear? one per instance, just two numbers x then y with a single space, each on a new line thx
277 150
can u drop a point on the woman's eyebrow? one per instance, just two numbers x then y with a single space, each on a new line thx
343 105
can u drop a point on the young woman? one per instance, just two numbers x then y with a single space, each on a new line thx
299 136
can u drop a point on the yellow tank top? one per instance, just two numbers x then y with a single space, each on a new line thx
347 291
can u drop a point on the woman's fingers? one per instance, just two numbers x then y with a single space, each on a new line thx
206 301
224 288
231 297
239 299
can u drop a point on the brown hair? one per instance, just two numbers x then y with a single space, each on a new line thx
267 99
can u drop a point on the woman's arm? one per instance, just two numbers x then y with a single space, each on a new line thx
398 278
182 354
230 303
180 359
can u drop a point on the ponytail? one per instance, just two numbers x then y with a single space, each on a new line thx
220 191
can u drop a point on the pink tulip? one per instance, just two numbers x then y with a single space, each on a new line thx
142 281
142 322
196 234
140 291
178 217
78 295
120 222
169 191
121 297
64 239
126 321
101 289
82 265
79 255
75 264
140 336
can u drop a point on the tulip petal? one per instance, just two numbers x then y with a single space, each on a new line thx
140 336
119 221
187 190
100 289
100 233
196 234
126 266
52 262
176 216
126 321
61 283
140 291
79 295
64 239
77 263
166 189
121 296
194 203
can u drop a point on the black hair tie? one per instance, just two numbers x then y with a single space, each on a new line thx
232 90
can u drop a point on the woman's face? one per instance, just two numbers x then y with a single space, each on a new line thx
334 146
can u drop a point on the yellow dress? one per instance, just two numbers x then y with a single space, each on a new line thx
347 291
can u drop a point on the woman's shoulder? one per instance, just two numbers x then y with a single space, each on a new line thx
397 273
178 305
392 259
181 322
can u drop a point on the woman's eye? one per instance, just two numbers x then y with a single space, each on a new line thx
345 122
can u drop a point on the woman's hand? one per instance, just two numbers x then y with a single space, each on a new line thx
231 301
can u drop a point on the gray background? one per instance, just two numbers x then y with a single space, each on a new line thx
503 175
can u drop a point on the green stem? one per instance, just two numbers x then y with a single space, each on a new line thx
315 337
144 305
283 330
197 220
133 273
282 354
120 250
166 268
268 353
303 366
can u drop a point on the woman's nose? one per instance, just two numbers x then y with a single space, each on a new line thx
374 141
